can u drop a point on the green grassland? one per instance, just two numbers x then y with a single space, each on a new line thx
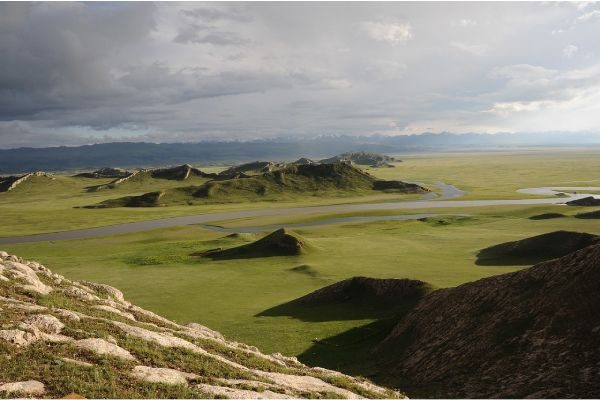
496 175
155 269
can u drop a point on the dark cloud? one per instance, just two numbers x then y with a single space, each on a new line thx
78 72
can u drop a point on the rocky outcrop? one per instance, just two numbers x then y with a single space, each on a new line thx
28 388
9 183
72 329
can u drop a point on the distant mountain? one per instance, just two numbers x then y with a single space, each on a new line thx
128 154
362 158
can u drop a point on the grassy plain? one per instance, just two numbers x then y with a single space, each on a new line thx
155 269
51 206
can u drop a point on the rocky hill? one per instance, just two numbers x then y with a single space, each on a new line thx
362 158
289 182
60 337
532 333
254 167
147 176
106 172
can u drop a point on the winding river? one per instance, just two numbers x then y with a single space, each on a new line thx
449 192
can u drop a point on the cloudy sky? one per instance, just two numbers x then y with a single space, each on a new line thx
74 73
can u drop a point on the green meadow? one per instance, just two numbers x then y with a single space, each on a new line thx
156 270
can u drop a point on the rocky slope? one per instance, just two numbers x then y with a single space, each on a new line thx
59 336
532 333
10 182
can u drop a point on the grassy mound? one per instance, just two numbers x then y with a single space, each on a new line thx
151 199
536 248
306 270
546 216
589 215
277 243
355 298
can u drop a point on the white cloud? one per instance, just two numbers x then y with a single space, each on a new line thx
475 49
590 15
509 108
522 73
570 51
338 83
391 33
464 22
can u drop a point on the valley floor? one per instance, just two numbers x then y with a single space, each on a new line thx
156 271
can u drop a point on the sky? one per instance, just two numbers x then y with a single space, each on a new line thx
77 73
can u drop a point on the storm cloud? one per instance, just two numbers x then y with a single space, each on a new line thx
75 73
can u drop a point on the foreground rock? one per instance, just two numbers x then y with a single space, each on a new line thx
85 338
29 388
532 333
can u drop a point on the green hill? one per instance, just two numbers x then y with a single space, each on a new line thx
277 243
147 178
337 179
